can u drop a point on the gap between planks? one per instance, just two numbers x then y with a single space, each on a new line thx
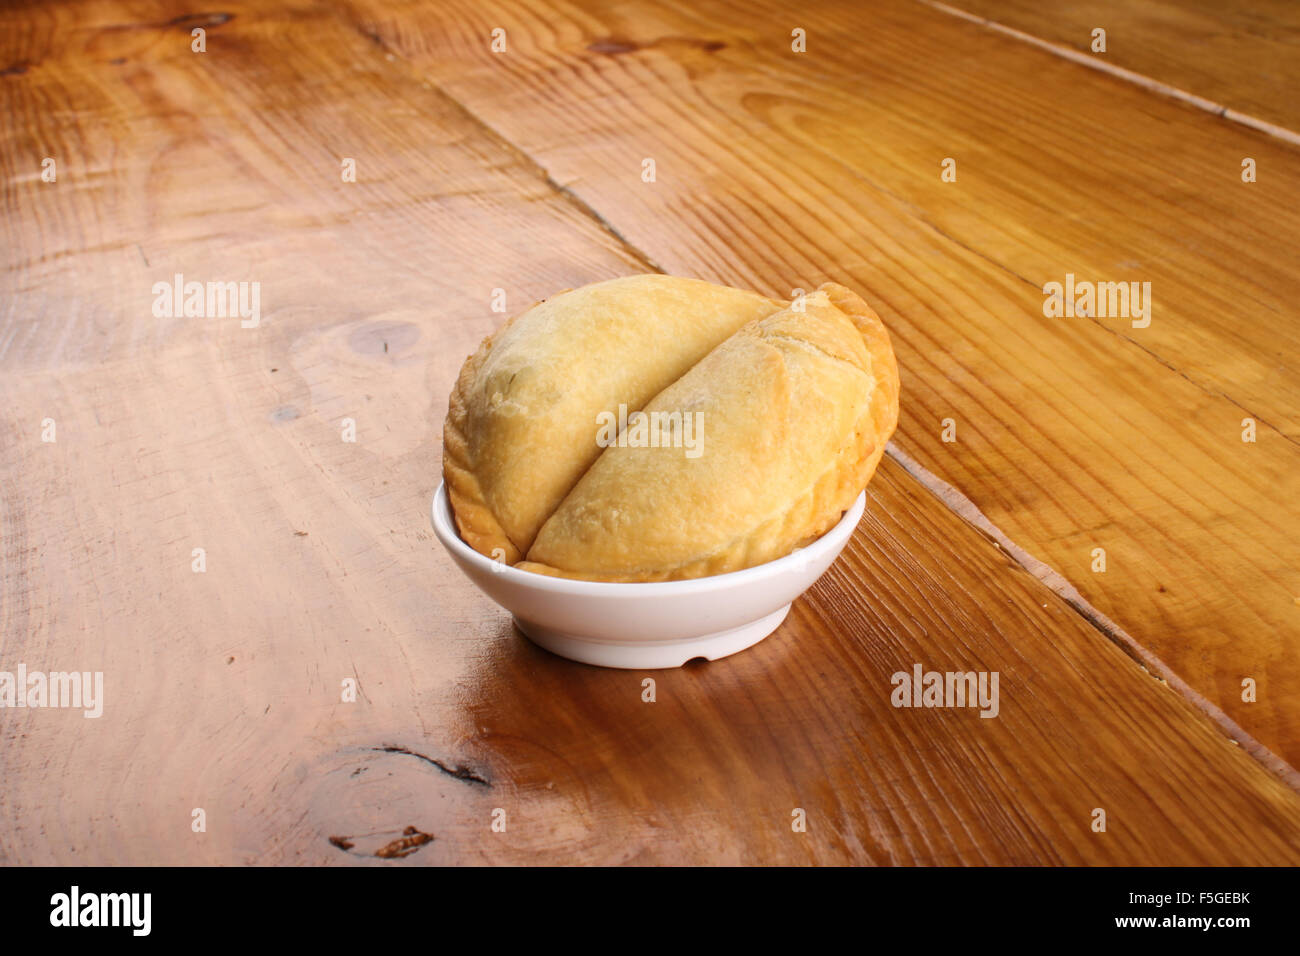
1054 581
509 146
1137 79
952 499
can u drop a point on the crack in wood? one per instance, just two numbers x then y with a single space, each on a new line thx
528 159
188 21
459 773
1130 76
1055 582
411 840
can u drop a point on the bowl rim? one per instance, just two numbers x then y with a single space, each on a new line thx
444 527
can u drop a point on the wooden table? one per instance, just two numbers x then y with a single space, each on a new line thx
523 169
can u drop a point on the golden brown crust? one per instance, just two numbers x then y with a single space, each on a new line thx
884 399
521 427
478 526
475 520
808 399
785 378
884 402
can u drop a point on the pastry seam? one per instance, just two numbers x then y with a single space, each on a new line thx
880 419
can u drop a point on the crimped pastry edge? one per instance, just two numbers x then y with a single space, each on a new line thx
475 520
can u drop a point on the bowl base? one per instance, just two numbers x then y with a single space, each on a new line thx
653 655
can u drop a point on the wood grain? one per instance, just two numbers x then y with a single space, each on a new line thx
1245 56
222 688
778 171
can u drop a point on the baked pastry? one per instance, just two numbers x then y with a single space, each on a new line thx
521 427
759 423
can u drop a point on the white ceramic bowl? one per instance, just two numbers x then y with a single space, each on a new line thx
647 626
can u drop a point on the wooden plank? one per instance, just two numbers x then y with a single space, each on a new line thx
1243 56
777 171
215 179
222 689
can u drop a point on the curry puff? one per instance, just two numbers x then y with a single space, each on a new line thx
652 428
